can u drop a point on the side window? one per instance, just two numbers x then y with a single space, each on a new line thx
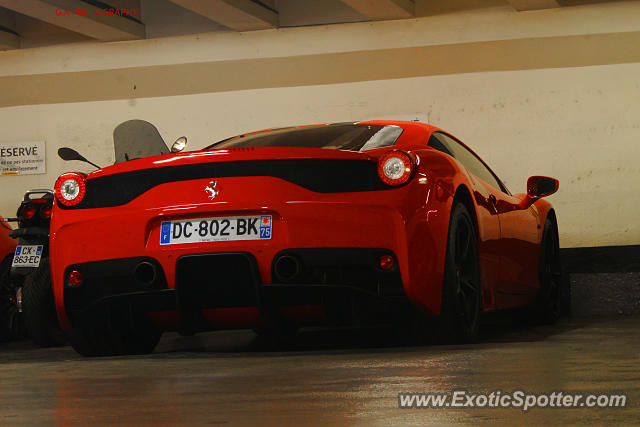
439 145
468 159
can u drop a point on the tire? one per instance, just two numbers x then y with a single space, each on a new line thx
39 310
459 318
115 334
11 321
554 287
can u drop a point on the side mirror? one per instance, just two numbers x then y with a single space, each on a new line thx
538 187
541 186
66 153
179 144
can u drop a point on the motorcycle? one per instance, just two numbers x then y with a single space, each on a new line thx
30 276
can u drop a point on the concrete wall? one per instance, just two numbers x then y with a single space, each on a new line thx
547 92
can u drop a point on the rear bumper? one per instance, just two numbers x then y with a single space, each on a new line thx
403 221
229 284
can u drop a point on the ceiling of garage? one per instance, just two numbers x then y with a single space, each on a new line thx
33 23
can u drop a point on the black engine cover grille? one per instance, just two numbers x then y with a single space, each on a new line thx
319 175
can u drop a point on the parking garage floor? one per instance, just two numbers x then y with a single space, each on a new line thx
336 377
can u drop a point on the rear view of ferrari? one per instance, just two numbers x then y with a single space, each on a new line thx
341 224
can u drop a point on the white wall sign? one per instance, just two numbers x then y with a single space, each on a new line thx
22 158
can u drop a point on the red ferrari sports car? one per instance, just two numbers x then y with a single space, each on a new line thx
345 223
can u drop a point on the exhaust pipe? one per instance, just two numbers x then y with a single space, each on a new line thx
146 273
287 267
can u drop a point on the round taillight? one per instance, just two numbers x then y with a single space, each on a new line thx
45 212
28 212
395 168
70 188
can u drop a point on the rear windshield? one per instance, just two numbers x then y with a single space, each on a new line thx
342 136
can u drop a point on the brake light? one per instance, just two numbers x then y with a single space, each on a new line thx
28 212
395 167
70 188
45 212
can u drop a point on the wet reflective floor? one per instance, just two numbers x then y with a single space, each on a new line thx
325 377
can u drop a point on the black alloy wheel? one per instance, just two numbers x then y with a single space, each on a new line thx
461 294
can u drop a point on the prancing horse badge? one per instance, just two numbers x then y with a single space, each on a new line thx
212 190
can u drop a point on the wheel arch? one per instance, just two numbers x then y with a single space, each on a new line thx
547 212
463 195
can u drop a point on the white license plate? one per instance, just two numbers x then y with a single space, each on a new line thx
27 256
199 230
